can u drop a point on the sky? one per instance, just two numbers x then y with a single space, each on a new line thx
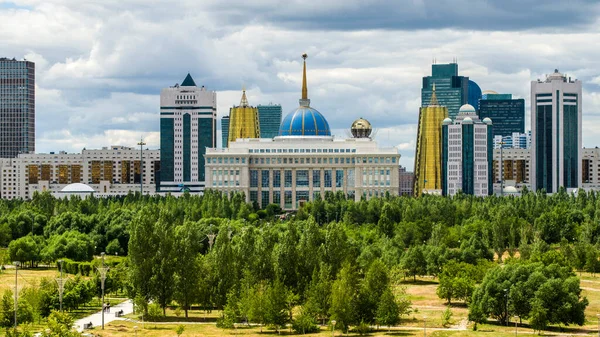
100 65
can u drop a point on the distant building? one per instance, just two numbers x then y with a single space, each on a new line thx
508 114
224 130
406 181
556 133
467 154
243 121
17 107
109 171
474 94
428 154
515 170
515 141
188 125
270 119
451 89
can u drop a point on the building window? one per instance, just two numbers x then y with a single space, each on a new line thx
253 196
264 199
327 178
302 178
277 197
276 178
339 178
253 178
288 178
264 178
288 199
316 178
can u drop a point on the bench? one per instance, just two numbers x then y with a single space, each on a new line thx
119 313
88 325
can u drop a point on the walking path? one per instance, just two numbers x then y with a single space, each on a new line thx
96 319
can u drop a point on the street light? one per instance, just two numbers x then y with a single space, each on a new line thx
333 327
102 270
16 263
506 305
425 326
135 329
141 144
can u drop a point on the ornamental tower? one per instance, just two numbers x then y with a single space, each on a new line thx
243 121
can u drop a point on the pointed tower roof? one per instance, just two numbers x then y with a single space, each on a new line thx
304 101
433 101
188 81
244 100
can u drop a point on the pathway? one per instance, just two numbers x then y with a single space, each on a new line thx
96 319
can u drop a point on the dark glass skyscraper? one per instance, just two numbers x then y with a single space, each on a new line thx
224 131
451 90
474 94
508 114
269 117
17 107
188 125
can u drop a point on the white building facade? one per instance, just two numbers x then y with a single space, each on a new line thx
109 171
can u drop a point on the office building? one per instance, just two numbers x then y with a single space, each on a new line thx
556 104
474 94
451 89
428 154
507 113
467 154
406 181
188 125
270 118
516 169
515 141
243 121
224 130
17 107
304 162
117 170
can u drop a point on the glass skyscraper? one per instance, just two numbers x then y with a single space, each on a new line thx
556 133
508 114
270 119
188 125
17 107
474 94
451 89
224 131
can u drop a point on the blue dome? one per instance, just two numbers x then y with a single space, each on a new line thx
304 121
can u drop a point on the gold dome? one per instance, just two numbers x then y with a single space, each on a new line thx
361 128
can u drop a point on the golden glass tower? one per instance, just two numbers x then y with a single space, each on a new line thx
243 121
428 156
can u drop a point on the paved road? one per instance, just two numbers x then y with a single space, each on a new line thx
96 318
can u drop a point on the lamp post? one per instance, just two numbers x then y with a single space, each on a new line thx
61 284
501 169
135 329
333 327
16 263
141 144
425 326
506 305
516 322
102 270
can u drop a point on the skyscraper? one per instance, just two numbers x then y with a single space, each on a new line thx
467 154
224 130
270 118
507 113
17 107
555 133
243 121
451 89
428 156
474 94
188 123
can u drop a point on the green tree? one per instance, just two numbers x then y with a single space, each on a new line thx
24 249
344 297
388 312
414 262
457 281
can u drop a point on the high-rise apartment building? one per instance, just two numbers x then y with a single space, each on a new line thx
188 123
467 154
243 121
428 155
224 130
451 89
556 133
507 113
17 107
270 118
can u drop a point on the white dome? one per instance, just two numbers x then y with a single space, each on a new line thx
510 189
467 109
77 188
447 121
467 120
487 120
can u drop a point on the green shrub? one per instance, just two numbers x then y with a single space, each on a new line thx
154 312
305 324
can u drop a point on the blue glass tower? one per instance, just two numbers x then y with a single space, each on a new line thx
269 117
474 94
508 114
225 131
451 90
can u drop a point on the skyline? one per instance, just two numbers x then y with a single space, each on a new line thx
100 66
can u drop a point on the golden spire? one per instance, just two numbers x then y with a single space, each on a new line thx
244 101
433 101
304 101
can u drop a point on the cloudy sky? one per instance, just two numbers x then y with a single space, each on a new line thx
100 65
